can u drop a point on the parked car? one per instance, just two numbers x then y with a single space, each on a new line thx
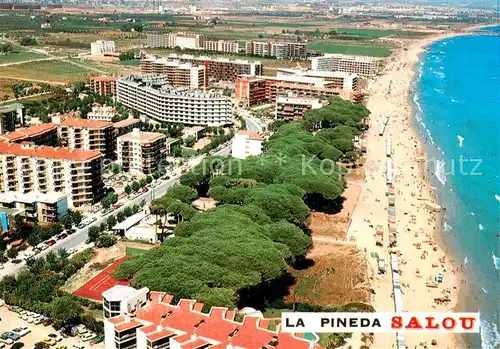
5 339
98 339
88 336
79 345
21 331
2 302
11 335
55 337
61 347
51 242
33 318
2 345
47 322
49 341
62 236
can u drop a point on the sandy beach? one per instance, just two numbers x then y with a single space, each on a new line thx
420 258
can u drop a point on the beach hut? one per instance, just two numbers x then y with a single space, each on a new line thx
392 219
440 277
381 129
388 147
392 200
388 170
379 236
392 211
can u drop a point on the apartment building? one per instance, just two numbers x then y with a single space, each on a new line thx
190 41
43 134
363 66
122 300
100 47
293 108
125 126
165 103
221 46
191 75
246 143
162 324
36 207
141 152
28 168
251 90
280 50
343 80
10 115
101 113
88 135
221 68
103 85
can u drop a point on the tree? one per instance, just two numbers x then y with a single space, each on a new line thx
111 222
127 55
106 241
189 141
336 340
3 257
136 186
6 48
65 310
182 193
12 253
115 168
93 233
128 189
149 179
28 41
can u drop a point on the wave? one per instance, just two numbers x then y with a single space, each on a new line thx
466 260
441 92
440 75
496 262
447 227
490 338
482 288
497 197
454 101
415 100
460 141
481 227
472 214
440 172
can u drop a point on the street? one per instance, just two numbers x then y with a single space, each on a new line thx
78 239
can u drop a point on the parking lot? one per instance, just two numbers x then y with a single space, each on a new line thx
38 333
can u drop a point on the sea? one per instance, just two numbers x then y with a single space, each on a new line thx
456 96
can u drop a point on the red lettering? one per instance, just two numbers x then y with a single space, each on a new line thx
431 324
414 324
397 322
470 324
449 323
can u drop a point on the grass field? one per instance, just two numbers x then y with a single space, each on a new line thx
362 50
269 24
54 70
19 57
130 251
377 33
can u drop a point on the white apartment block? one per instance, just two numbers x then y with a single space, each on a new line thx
246 143
122 300
101 46
294 108
280 50
42 169
221 46
258 48
141 152
176 73
182 40
165 103
343 80
364 66
102 113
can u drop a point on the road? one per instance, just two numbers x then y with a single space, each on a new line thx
29 61
253 124
77 240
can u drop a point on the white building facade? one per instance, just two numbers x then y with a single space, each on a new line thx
101 46
174 104
247 143
364 66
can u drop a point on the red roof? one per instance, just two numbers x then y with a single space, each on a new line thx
30 150
125 123
127 325
102 78
252 135
164 319
86 123
23 133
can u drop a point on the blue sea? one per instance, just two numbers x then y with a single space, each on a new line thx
457 111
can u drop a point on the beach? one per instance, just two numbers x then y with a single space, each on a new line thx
416 217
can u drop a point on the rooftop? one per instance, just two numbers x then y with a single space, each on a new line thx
7 108
102 78
30 150
86 123
193 129
125 123
173 63
315 73
215 59
191 326
251 135
142 137
119 292
23 133
32 197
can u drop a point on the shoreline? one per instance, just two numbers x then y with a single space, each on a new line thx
392 94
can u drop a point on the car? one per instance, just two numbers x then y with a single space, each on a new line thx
28 255
2 302
62 236
26 315
42 246
88 336
38 320
117 205
33 318
11 335
78 345
72 231
21 331
55 337
2 345
6 340
49 341
72 250
51 242
98 339
61 347
47 322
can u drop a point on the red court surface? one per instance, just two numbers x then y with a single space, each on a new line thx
100 283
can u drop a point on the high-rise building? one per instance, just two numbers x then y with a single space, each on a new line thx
293 108
10 115
88 135
101 113
224 46
280 50
190 41
343 80
191 75
28 168
141 152
246 143
100 47
364 66
103 85
221 68
165 103
34 206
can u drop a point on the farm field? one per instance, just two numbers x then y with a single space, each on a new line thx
378 33
20 56
270 24
54 70
359 49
